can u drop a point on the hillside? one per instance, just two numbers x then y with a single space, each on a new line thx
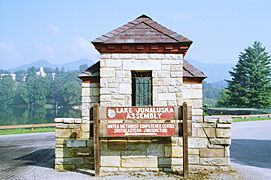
43 63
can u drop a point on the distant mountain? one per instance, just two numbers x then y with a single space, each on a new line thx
43 63
213 71
220 84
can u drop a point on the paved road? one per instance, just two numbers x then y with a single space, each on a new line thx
31 156
251 149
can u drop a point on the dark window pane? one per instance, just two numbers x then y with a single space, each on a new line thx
142 88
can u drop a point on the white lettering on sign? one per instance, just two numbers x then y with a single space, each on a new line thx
131 113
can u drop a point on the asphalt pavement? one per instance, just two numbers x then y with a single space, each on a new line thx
251 149
31 156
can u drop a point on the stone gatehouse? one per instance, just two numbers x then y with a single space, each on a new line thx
141 64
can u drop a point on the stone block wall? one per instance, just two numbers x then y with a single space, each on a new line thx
73 149
208 150
90 96
116 77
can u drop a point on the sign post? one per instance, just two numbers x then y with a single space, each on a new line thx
96 133
185 140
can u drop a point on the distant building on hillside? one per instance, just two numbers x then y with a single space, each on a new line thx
41 72
13 76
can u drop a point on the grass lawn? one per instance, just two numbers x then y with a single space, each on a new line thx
249 119
24 131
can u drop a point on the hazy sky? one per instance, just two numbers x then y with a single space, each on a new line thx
60 31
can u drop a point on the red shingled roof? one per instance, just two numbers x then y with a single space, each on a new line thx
142 30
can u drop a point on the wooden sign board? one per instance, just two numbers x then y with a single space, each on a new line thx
140 129
140 113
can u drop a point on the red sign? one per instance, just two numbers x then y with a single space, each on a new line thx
140 113
138 129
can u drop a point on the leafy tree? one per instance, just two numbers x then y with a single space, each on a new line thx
37 88
20 74
22 94
71 93
7 90
2 71
32 71
250 84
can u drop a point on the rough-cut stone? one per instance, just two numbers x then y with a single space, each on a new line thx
211 152
223 133
77 120
86 92
142 65
59 120
62 126
205 132
215 161
65 133
85 127
171 62
155 150
193 159
177 152
223 125
76 143
110 161
173 56
220 141
166 96
197 142
125 89
164 162
176 74
209 119
225 120
113 63
197 86
68 120
192 93
77 160
105 56
193 151
157 56
145 162
107 72
227 151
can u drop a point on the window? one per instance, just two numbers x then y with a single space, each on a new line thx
141 88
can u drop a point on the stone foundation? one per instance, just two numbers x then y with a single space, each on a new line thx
208 149
73 149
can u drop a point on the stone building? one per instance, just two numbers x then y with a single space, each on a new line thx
141 64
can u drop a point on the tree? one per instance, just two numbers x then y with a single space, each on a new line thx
22 94
7 90
71 93
20 75
37 88
250 84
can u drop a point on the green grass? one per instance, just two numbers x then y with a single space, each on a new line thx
25 131
249 119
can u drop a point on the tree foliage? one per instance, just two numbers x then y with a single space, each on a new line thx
7 90
250 84
58 87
